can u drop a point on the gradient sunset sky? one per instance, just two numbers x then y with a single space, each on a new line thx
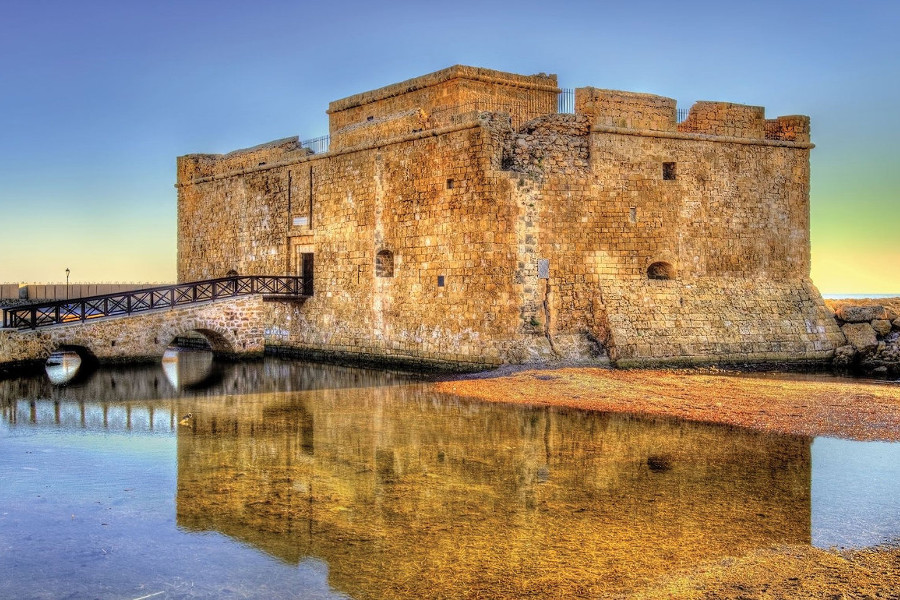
98 98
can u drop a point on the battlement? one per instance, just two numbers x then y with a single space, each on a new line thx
628 110
195 166
434 100
652 113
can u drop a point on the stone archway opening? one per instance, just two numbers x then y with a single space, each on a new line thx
70 363
189 359
661 270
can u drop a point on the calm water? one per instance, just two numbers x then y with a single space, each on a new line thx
292 480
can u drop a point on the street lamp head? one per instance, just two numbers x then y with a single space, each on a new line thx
67 271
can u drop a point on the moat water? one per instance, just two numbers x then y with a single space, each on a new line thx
294 480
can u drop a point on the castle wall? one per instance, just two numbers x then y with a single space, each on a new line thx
728 217
474 243
427 200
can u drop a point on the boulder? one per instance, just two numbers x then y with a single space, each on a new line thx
844 356
854 313
896 323
881 326
861 336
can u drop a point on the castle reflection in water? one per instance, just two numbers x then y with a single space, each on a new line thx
409 494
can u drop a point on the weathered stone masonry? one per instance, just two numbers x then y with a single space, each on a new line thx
457 219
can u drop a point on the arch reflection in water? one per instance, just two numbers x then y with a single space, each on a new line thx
187 368
407 494
62 366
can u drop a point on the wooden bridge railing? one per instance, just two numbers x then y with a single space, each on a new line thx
58 312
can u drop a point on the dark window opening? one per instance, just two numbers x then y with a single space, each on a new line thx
669 171
449 184
370 118
384 264
660 270
440 281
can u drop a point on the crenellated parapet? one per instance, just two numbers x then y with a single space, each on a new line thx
196 166
626 110
638 112
726 119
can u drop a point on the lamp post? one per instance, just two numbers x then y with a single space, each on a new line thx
67 284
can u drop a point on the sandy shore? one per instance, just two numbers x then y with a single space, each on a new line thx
810 405
813 405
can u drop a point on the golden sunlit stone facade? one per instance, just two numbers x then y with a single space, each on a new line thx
456 218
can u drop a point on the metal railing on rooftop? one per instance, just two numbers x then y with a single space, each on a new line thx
317 145
565 101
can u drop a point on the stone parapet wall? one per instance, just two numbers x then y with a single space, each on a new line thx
384 127
197 166
726 119
792 128
627 110
59 291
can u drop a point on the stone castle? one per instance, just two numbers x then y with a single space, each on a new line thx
457 219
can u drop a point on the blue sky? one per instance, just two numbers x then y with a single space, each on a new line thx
97 99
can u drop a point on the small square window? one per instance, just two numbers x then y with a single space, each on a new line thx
669 171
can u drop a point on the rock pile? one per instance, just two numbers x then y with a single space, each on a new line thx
873 339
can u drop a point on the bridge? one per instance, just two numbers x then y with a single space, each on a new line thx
140 324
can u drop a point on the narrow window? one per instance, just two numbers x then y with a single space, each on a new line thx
449 184
669 171
632 215
661 270
440 281
384 264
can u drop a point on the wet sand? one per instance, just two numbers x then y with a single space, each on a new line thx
815 405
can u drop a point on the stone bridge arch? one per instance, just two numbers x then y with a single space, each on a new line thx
221 342
232 326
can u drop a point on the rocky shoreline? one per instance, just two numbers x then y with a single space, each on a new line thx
872 329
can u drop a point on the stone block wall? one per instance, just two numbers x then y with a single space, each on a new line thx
511 244
725 119
727 220
443 94
792 128
631 110
233 326
726 320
